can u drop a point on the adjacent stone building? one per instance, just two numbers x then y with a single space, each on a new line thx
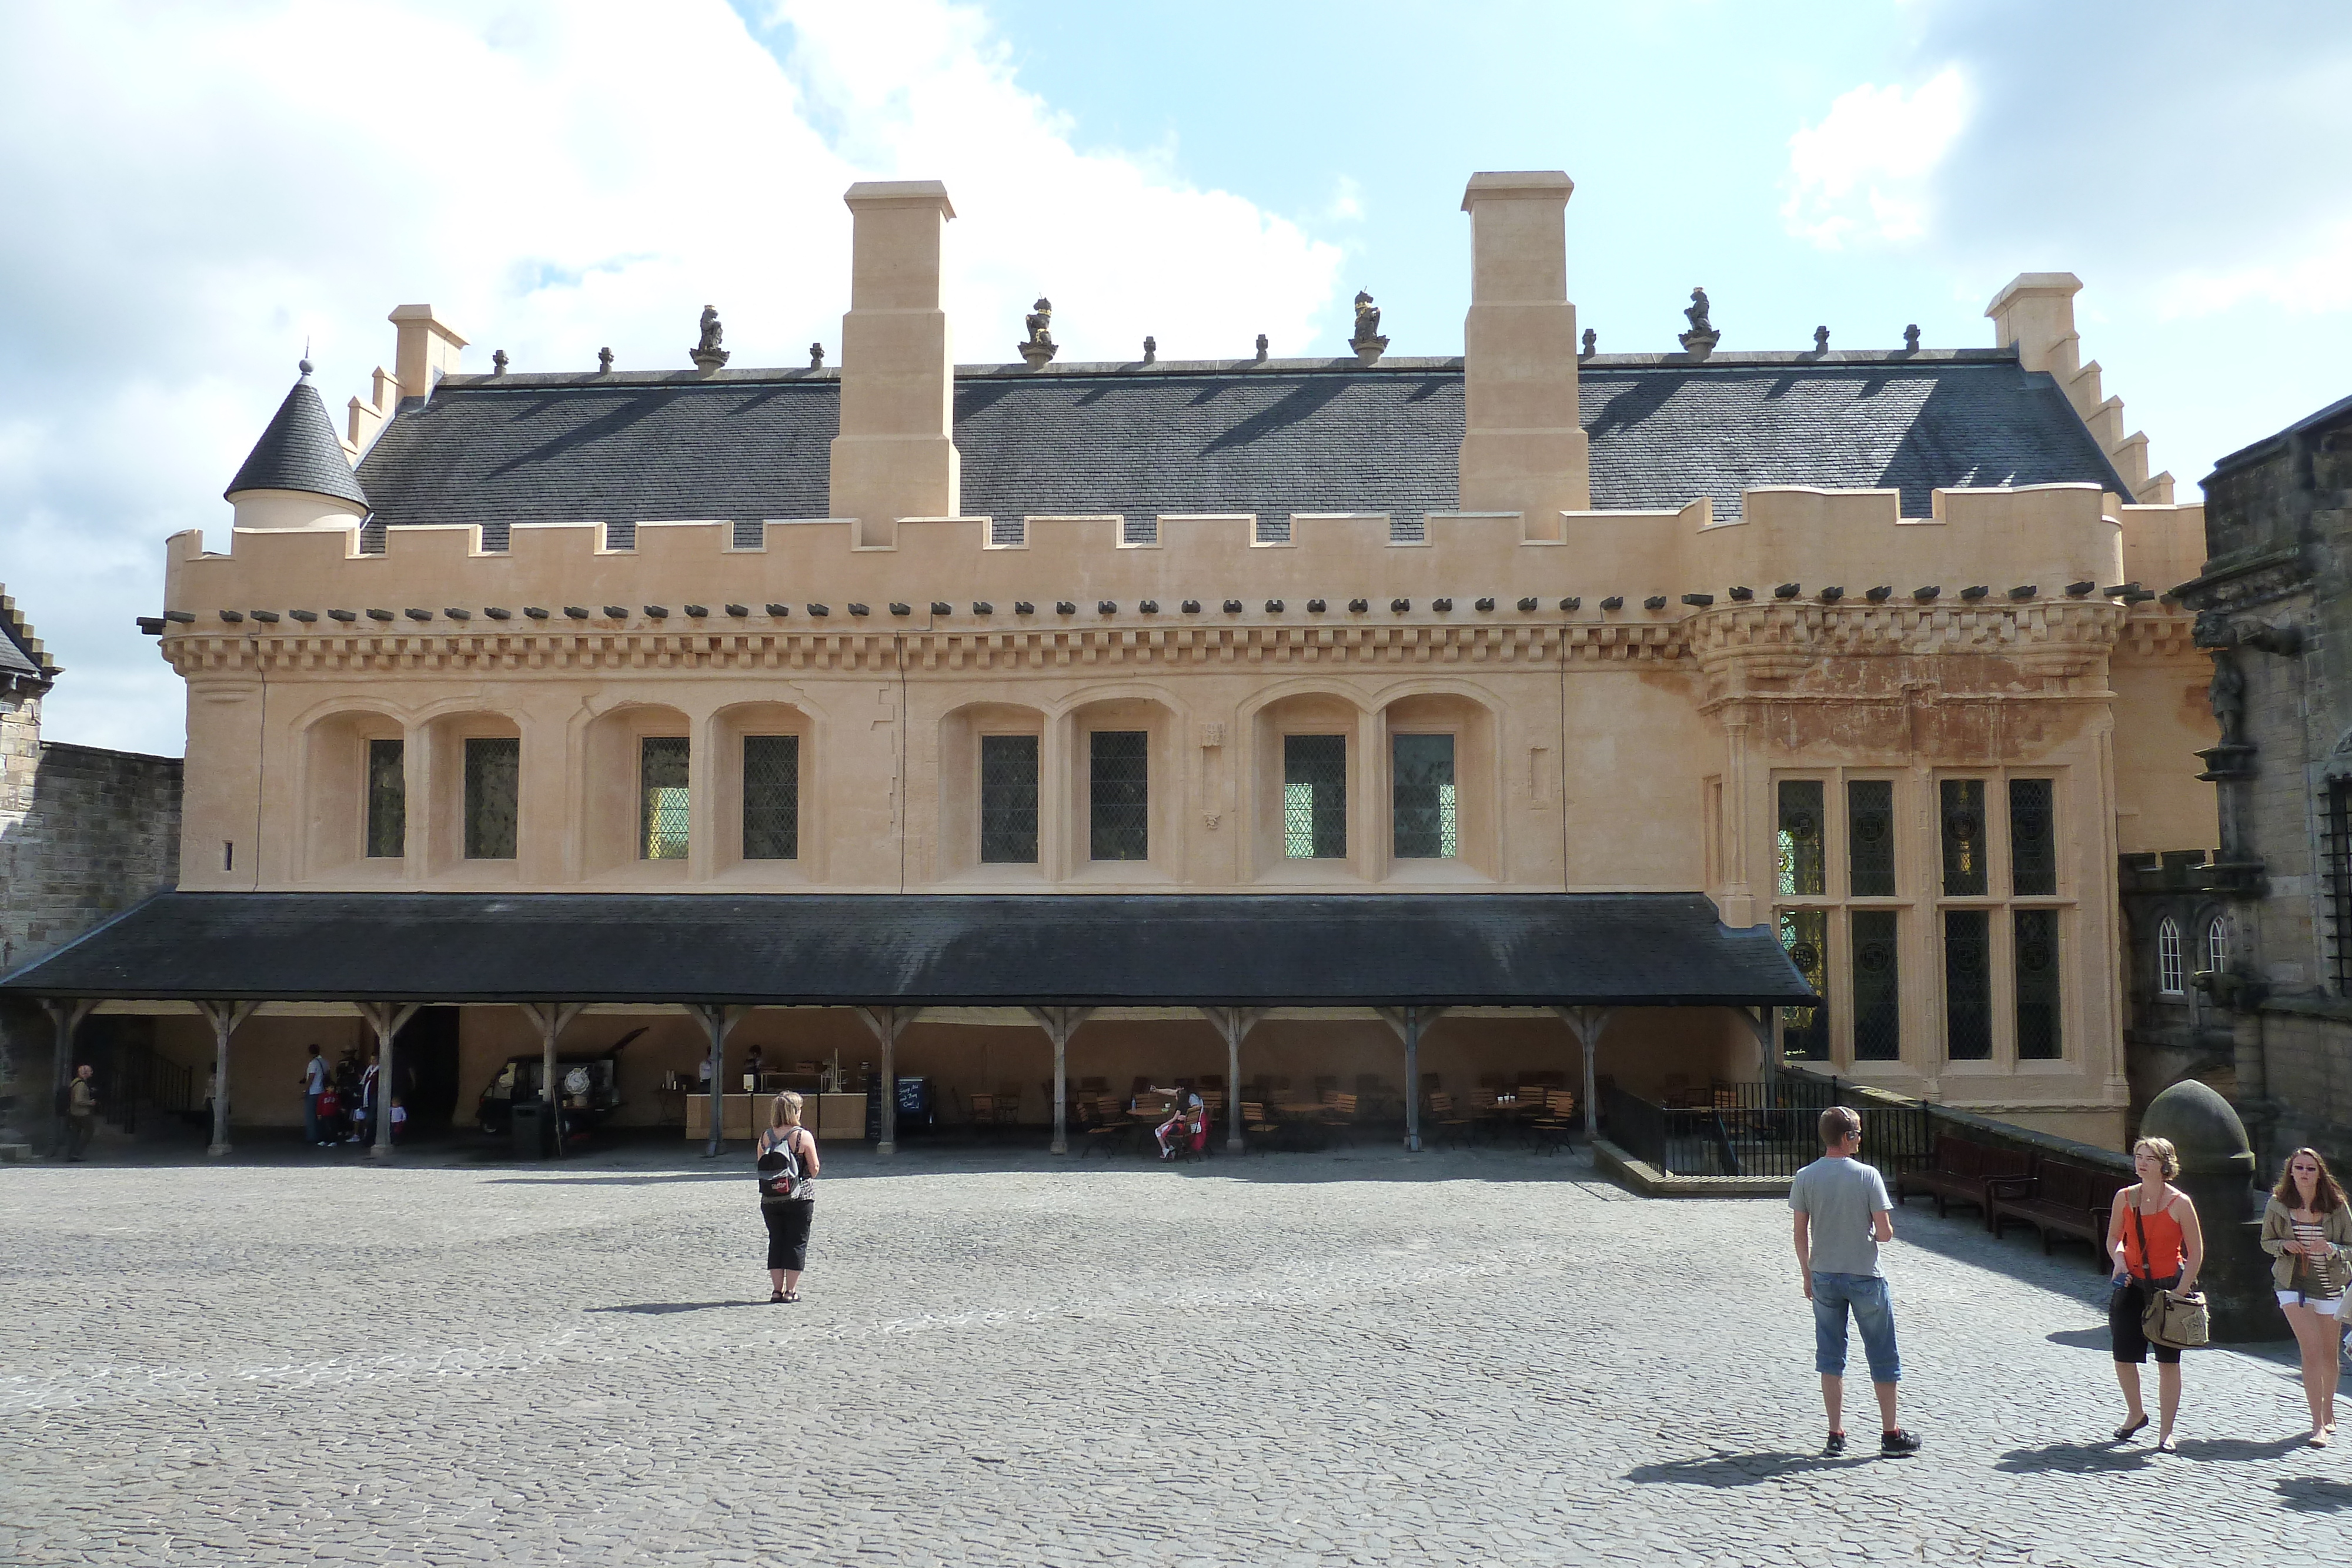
84 833
2269 919
1514 697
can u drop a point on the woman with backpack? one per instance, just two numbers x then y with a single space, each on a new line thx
787 1170
2307 1229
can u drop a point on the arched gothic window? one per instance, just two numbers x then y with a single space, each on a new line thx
2169 977
2217 944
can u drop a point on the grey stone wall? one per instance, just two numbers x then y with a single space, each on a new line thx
84 834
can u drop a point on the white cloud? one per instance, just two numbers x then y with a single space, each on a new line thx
192 192
2316 280
1862 173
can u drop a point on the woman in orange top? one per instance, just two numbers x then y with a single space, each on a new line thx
2157 1245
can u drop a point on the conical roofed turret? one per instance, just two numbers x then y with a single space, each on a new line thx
300 453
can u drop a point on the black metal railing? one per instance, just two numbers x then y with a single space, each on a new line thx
1763 1129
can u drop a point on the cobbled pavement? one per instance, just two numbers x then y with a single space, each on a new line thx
1356 1357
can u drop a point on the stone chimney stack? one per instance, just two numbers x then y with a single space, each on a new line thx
2035 315
425 351
896 454
1523 448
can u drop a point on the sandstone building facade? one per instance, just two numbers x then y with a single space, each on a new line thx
1852 642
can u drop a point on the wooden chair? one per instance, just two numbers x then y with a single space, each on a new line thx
1258 1129
1008 1104
1443 1121
981 1110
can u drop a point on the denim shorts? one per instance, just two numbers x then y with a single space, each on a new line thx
1866 1295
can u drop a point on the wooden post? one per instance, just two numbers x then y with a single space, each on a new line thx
224 1016
551 1018
1233 1023
1407 1022
718 1021
66 1014
387 1019
1059 1024
1586 1024
887 1024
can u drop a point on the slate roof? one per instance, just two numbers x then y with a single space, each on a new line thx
1616 948
300 451
1288 436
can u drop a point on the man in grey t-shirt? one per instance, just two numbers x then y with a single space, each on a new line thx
1842 1214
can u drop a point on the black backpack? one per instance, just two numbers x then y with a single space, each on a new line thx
65 1098
780 1171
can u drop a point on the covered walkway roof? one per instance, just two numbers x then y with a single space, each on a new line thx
1607 949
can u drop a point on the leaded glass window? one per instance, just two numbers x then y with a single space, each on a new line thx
2037 985
387 799
1877 988
1967 984
1805 1031
662 813
493 772
1119 795
1421 802
1315 797
1870 837
2170 980
2217 946
771 797
1799 837
2032 840
1008 800
1964 837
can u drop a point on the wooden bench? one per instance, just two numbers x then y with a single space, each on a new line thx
1964 1171
2061 1199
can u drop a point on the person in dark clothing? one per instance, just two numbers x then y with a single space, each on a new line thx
787 1172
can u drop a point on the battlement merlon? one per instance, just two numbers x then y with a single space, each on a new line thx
2042 536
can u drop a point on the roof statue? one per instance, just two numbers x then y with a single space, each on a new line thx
300 451
497 362
707 355
1039 346
1911 339
1150 350
1700 340
817 356
1820 339
1368 342
1591 338
603 362
1261 348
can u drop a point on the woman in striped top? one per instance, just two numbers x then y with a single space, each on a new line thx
2307 1229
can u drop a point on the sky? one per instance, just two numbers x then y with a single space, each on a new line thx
191 193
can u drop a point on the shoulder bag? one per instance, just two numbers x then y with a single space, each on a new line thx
2173 1321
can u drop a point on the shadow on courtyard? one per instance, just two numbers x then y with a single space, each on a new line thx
1721 1470
2315 1494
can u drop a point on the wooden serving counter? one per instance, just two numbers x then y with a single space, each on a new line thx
828 1116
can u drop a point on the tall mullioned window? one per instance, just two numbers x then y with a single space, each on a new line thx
1421 801
1315 797
1877 985
493 778
1963 824
662 811
1008 800
1968 985
771 797
1870 838
1805 1031
1802 869
387 799
2034 953
2170 979
1118 807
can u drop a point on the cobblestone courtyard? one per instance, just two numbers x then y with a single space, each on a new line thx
1346 1358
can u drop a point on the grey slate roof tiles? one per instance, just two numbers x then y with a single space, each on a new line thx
300 451
1303 436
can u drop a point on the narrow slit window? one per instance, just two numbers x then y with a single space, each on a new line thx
1800 838
1968 985
771 797
1870 837
2336 844
2032 838
1877 988
662 811
2169 977
1008 800
1119 795
493 772
1805 1031
2038 1038
1964 837
1315 797
1422 801
387 799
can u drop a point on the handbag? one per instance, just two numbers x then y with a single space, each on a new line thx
2173 1321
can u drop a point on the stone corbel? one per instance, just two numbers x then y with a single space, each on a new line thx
2217 629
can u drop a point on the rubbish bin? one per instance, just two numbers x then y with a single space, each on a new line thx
534 1130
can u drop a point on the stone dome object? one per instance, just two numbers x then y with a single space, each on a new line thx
2204 1128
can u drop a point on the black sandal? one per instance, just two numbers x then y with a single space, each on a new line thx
775 1296
2124 1433
790 1296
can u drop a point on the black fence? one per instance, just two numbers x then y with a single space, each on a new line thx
1771 1128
